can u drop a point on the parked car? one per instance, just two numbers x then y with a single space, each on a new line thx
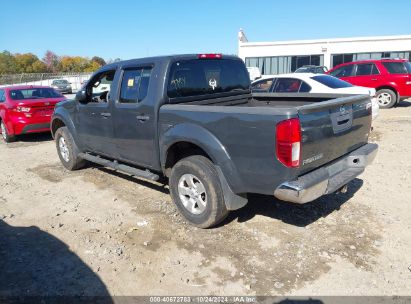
62 85
390 77
313 84
254 73
26 109
312 69
191 119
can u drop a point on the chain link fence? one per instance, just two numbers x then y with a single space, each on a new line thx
44 79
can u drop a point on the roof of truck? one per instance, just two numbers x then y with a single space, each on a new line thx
164 58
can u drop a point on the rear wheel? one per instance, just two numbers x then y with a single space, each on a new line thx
196 190
67 150
4 134
386 98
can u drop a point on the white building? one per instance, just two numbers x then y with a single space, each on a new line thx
286 56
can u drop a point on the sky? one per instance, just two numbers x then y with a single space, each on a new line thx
134 28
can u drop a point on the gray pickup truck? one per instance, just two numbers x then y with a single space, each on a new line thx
192 120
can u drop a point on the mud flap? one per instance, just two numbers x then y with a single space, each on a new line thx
232 201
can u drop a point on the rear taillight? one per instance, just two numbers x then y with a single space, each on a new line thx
210 56
288 142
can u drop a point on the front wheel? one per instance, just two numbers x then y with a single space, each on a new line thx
196 190
386 98
4 134
67 150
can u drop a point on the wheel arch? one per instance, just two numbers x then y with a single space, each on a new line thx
388 87
196 139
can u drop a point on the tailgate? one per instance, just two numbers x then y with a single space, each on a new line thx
333 128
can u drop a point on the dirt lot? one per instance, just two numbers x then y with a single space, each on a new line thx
99 232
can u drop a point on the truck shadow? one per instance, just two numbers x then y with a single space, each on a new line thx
157 186
34 263
293 214
35 137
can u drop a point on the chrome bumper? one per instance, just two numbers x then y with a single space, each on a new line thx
327 179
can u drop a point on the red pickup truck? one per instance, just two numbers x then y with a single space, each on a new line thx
390 77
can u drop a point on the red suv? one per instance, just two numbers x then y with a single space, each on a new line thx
390 77
26 109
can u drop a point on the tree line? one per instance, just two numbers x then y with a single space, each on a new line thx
50 63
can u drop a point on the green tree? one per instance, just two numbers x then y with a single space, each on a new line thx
7 63
99 60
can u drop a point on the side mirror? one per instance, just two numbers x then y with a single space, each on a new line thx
81 96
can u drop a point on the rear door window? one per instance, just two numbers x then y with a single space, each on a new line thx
134 86
2 96
366 69
287 85
396 67
196 77
344 71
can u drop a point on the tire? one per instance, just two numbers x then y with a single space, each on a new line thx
4 134
67 150
386 98
207 188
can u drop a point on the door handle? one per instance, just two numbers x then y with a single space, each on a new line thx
142 117
105 115
374 79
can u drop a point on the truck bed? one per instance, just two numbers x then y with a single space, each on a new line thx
283 100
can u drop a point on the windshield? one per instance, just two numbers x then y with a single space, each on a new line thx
34 93
207 76
331 82
63 81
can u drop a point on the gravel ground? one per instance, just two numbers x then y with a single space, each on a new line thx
100 232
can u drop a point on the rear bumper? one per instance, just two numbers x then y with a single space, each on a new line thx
327 179
29 125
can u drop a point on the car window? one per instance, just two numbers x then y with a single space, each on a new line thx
366 69
195 77
331 82
2 96
305 87
287 85
134 86
60 81
34 93
344 71
100 86
396 67
262 85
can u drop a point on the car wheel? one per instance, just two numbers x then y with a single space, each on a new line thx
386 98
4 134
196 190
67 150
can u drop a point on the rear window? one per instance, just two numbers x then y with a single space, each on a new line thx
397 67
331 82
34 93
207 76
